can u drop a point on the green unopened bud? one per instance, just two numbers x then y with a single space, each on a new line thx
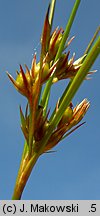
46 125
67 116
20 81
37 68
55 42
58 42
55 79
45 70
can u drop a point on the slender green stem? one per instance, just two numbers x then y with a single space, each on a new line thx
46 94
64 93
31 130
46 104
67 29
51 14
24 175
25 150
92 40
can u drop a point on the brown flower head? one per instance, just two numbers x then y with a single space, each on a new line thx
29 81
70 119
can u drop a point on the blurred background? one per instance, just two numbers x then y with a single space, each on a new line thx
73 171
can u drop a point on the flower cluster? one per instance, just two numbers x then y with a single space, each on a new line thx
70 118
26 82
29 83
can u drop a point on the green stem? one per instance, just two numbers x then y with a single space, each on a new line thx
31 130
46 104
67 29
92 40
64 93
24 176
51 14
25 150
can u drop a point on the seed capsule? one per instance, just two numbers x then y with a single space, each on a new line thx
67 116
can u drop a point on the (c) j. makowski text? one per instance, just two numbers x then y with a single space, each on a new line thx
50 208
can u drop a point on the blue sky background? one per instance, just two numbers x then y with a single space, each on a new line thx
73 172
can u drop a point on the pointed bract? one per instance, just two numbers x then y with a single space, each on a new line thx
45 35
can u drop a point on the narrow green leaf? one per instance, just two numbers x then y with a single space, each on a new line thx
67 29
92 40
51 14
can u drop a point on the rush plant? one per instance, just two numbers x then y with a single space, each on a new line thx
43 130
